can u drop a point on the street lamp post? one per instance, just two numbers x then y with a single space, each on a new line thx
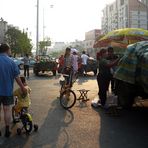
43 26
37 29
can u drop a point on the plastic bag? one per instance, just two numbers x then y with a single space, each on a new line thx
62 80
112 100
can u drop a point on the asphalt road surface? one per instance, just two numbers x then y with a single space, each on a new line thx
80 127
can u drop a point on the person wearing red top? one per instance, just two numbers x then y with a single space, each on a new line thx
61 63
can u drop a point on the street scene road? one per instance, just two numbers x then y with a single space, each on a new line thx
81 126
104 43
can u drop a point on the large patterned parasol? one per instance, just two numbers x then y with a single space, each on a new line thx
122 37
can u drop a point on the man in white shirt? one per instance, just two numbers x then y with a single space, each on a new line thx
84 58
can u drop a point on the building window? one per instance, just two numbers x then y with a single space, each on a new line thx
111 8
90 43
122 2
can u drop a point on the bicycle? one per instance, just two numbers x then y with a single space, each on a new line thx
67 95
24 117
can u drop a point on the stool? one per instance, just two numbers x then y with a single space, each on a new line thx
83 94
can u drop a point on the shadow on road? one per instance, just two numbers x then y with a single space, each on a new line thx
54 128
129 130
14 141
83 79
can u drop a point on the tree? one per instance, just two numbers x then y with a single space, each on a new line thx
18 41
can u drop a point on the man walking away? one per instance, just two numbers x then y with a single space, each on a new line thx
84 58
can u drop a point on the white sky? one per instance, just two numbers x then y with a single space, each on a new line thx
66 21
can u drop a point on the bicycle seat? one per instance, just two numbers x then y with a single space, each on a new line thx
24 109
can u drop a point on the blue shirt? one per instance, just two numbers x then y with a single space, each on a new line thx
8 72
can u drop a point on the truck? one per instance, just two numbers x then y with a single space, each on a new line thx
44 63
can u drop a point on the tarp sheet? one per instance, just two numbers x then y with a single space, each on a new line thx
133 67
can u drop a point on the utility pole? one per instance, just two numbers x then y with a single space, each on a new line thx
43 26
37 29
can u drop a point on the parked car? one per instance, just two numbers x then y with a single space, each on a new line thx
18 62
91 66
32 62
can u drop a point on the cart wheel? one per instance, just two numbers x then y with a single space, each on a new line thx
36 127
19 131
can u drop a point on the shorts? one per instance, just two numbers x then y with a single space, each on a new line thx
6 100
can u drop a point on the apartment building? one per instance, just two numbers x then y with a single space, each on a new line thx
90 38
125 14
3 29
56 46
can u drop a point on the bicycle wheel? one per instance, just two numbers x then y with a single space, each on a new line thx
68 99
27 123
62 89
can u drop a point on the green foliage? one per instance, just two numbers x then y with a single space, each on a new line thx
18 41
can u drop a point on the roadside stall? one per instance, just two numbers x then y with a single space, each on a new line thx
132 74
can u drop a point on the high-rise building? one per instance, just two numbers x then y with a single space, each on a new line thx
3 30
125 14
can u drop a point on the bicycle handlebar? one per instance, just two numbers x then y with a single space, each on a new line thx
65 75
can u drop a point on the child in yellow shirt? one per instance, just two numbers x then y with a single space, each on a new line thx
22 100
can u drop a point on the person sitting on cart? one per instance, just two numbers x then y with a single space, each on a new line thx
61 63
23 100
